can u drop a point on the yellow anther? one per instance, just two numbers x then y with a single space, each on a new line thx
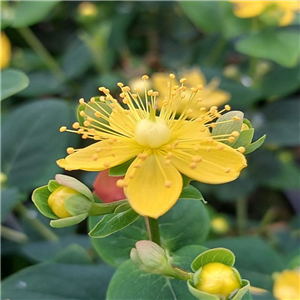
70 150
189 111
121 183
168 183
193 165
101 88
86 123
197 158
227 170
142 156
182 80
95 157
176 87
172 76
82 113
93 99
98 149
235 133
150 93
126 89
199 86
122 95
145 77
80 131
76 125
155 94
81 101
120 84
231 139
220 146
106 164
137 166
208 149
236 118
241 149
203 109
227 107
194 90
97 114
62 128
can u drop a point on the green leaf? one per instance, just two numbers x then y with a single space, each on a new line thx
279 45
12 82
40 199
31 142
59 280
28 13
53 185
280 122
9 198
112 223
187 223
244 138
221 255
190 192
201 12
129 282
65 222
255 145
121 169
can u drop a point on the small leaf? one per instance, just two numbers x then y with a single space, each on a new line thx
53 185
244 139
12 82
190 192
40 199
221 255
65 222
112 223
121 169
28 13
252 147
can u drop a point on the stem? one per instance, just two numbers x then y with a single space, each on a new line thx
36 224
42 52
13 235
241 214
153 230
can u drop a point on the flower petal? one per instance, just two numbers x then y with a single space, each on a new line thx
101 155
194 77
208 163
147 191
248 9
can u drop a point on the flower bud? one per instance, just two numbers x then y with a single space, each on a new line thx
153 259
218 279
65 200
105 187
5 51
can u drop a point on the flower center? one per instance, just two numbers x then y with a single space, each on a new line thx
152 134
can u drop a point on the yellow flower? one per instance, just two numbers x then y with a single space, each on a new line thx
87 9
283 11
5 50
161 146
218 279
210 94
287 285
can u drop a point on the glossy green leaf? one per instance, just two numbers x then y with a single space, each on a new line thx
279 45
190 192
12 82
221 255
149 286
112 223
31 142
28 13
255 145
62 279
187 223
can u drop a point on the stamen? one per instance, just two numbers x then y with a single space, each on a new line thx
62 128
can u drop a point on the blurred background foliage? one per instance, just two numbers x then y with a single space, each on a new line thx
55 52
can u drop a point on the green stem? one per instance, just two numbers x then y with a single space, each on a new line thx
217 51
241 214
36 224
13 235
43 53
153 230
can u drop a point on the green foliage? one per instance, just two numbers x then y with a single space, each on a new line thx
12 82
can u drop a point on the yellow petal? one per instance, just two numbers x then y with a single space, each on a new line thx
248 9
215 166
287 285
287 18
101 155
154 188
194 77
5 51
214 98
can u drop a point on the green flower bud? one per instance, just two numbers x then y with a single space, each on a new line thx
153 259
